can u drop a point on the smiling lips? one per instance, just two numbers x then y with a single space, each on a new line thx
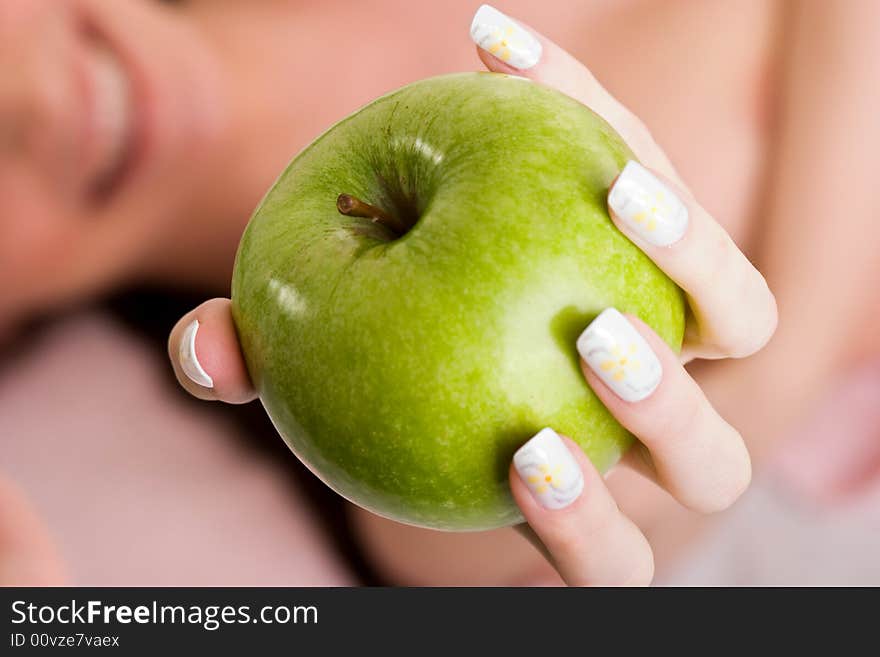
110 125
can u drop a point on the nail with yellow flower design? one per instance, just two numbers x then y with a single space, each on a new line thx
508 41
619 355
549 470
648 206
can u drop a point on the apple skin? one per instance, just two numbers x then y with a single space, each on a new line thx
406 372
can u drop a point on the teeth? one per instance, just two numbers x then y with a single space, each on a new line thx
112 114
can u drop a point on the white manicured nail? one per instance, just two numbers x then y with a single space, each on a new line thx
647 206
189 362
549 470
619 355
499 35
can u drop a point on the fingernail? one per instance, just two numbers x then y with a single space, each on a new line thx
619 355
499 35
647 206
549 470
189 362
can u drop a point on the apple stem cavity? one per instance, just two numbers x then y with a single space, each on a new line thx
352 206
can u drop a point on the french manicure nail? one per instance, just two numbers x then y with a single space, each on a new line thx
189 362
549 470
499 35
647 206
619 355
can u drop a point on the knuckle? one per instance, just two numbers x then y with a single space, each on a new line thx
754 332
743 474
714 265
601 520
681 420
745 337
726 495
758 294
770 312
643 574
744 334
571 542
730 487
621 557
740 342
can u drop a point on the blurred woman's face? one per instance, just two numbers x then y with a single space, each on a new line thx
110 111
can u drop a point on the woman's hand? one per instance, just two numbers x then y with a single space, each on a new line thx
734 313
684 444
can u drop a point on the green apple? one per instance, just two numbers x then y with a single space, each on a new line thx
408 339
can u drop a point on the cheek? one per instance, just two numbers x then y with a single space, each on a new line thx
18 14
39 235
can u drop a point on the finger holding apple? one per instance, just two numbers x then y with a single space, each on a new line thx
206 356
649 202
581 532
691 451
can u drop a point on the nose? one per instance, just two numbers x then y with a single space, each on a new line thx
38 91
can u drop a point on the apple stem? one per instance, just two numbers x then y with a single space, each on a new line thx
351 206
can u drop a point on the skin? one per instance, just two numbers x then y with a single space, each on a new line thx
761 70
